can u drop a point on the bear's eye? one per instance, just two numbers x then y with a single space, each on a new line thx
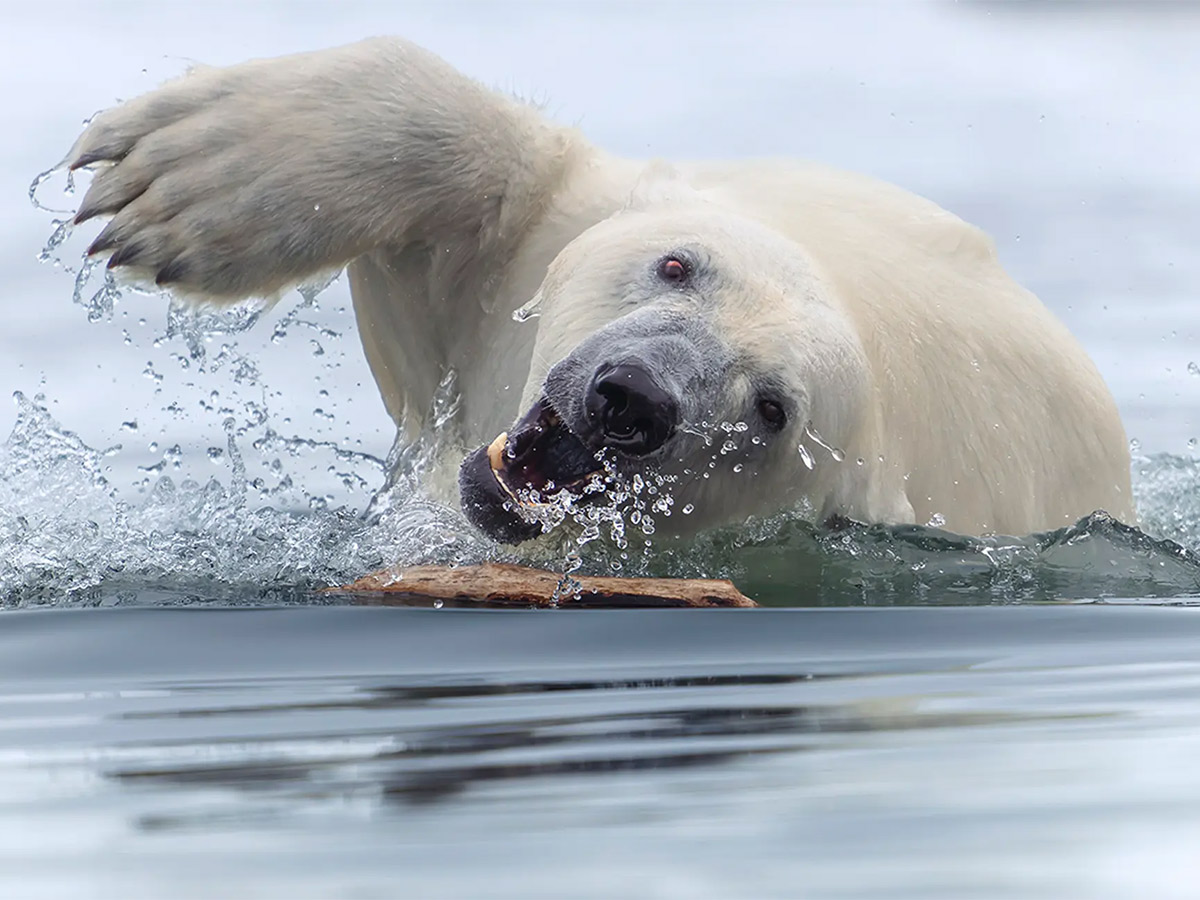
772 414
673 270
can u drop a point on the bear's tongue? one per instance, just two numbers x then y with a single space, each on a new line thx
540 455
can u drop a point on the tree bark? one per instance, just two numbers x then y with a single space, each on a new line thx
505 585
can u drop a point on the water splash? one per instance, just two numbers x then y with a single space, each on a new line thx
99 301
68 535
198 326
63 228
410 458
811 433
1166 489
67 189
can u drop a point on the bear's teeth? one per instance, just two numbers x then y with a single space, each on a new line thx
495 452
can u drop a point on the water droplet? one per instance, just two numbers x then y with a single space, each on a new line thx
438 604
937 520
811 433
805 456
1134 445
1193 369
530 310
129 426
688 509
737 468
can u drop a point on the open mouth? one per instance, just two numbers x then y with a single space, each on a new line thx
540 457
521 469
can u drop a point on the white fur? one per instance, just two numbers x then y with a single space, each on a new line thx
961 394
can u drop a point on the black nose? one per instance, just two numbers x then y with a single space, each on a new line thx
629 410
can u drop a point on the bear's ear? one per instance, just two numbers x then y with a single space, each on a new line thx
660 184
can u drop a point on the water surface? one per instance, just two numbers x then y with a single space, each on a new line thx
313 752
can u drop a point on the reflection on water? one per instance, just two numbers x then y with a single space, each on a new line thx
437 764
861 753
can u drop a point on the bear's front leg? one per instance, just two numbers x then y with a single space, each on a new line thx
243 181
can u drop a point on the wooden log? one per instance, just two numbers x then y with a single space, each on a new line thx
505 585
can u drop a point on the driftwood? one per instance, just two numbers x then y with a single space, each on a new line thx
503 585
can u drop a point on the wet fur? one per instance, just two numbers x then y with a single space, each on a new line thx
887 320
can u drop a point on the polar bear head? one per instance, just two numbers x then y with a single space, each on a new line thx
676 339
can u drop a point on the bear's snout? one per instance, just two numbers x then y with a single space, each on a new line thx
628 410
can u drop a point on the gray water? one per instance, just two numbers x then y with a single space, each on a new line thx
227 729
340 752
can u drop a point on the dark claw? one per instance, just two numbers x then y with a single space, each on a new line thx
110 153
88 159
126 256
174 271
88 211
105 240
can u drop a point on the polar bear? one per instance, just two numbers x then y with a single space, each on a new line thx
765 334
